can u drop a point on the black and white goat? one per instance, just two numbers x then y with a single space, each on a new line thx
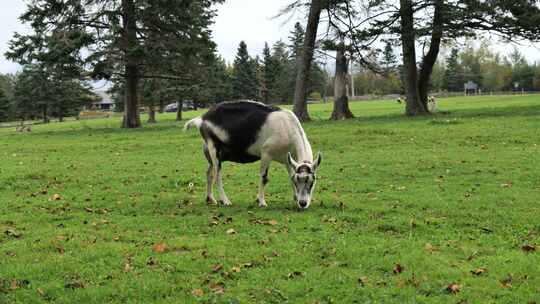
247 131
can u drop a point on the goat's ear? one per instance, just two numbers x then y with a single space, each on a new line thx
291 162
317 161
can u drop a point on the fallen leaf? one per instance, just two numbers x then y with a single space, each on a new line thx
231 231
528 248
160 248
398 269
430 248
363 281
217 288
479 271
197 292
506 185
453 288
235 269
40 292
272 222
217 268
294 274
507 282
56 197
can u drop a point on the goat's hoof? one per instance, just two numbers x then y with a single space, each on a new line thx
262 204
211 201
226 202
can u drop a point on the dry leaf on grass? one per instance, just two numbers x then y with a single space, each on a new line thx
453 288
479 271
160 248
197 292
398 269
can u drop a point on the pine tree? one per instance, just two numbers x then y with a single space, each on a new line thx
245 82
297 41
111 37
389 59
4 106
453 76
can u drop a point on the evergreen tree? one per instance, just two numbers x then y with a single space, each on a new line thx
296 41
4 106
453 76
110 37
245 82
389 59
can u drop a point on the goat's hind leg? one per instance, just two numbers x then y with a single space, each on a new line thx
209 178
216 165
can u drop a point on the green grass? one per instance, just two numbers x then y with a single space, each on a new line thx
440 196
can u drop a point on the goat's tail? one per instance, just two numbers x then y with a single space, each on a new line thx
195 122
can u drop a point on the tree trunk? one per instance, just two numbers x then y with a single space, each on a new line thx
161 105
430 58
152 114
45 114
414 106
304 64
179 111
132 118
341 102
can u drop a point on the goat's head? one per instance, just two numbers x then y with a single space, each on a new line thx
303 179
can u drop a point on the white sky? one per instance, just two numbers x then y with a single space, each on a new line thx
248 20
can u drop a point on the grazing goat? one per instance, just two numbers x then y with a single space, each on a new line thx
247 131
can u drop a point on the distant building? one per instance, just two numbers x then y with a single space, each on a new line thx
471 87
103 103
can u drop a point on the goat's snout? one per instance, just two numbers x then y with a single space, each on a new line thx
302 204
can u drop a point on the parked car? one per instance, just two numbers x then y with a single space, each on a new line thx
186 106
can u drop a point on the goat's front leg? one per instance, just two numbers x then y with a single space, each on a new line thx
265 164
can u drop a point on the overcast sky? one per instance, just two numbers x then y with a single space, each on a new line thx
248 20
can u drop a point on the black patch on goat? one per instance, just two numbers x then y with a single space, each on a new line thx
242 121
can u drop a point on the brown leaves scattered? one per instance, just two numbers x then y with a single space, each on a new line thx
453 288
56 197
235 269
231 231
528 248
479 271
398 269
160 248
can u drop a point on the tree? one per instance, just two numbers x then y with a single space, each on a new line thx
304 64
245 83
5 106
431 22
453 76
389 59
109 36
341 102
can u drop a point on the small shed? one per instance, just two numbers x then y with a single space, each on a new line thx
471 87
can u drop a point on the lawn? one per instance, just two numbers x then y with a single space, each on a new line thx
442 209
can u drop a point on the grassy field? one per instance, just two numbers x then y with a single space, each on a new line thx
443 209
